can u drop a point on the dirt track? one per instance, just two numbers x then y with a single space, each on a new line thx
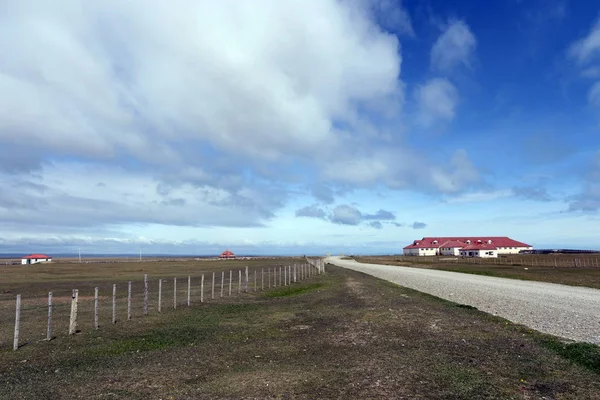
566 311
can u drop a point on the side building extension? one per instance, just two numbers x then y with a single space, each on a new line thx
473 246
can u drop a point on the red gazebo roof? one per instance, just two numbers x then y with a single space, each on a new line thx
227 254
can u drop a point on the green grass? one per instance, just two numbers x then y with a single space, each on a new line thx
585 354
293 290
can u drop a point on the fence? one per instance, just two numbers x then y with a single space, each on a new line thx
526 260
69 313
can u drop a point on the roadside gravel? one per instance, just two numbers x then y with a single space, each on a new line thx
566 311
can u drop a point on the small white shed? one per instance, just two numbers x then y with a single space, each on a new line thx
35 258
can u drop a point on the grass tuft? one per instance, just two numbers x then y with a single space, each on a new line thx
468 307
156 340
586 355
294 291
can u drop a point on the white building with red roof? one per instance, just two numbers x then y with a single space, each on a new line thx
35 258
467 246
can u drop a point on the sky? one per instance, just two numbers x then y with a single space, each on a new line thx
297 126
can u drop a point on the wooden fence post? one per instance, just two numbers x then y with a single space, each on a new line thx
222 281
285 276
280 276
189 291
73 319
145 294
17 323
213 287
114 304
129 300
295 271
255 280
246 281
269 277
262 279
202 289
230 281
240 281
96 318
174 293
49 330
160 295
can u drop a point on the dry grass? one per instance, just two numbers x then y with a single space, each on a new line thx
34 282
344 335
520 269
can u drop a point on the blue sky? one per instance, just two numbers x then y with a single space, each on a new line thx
272 127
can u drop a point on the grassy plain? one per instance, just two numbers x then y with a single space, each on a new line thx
342 335
34 282
542 269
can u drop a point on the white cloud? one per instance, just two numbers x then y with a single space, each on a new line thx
454 47
436 101
402 169
419 225
346 215
197 113
392 16
71 196
586 53
587 48
594 94
588 199
477 197
96 79
313 211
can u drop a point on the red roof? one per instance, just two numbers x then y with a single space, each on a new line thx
36 256
227 254
436 242
453 244
480 246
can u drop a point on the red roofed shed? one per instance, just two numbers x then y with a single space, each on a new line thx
227 254
35 258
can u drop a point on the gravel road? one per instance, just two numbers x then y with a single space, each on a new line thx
567 311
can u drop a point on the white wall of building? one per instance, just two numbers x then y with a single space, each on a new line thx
428 251
450 251
455 251
25 261
411 252
482 253
512 250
